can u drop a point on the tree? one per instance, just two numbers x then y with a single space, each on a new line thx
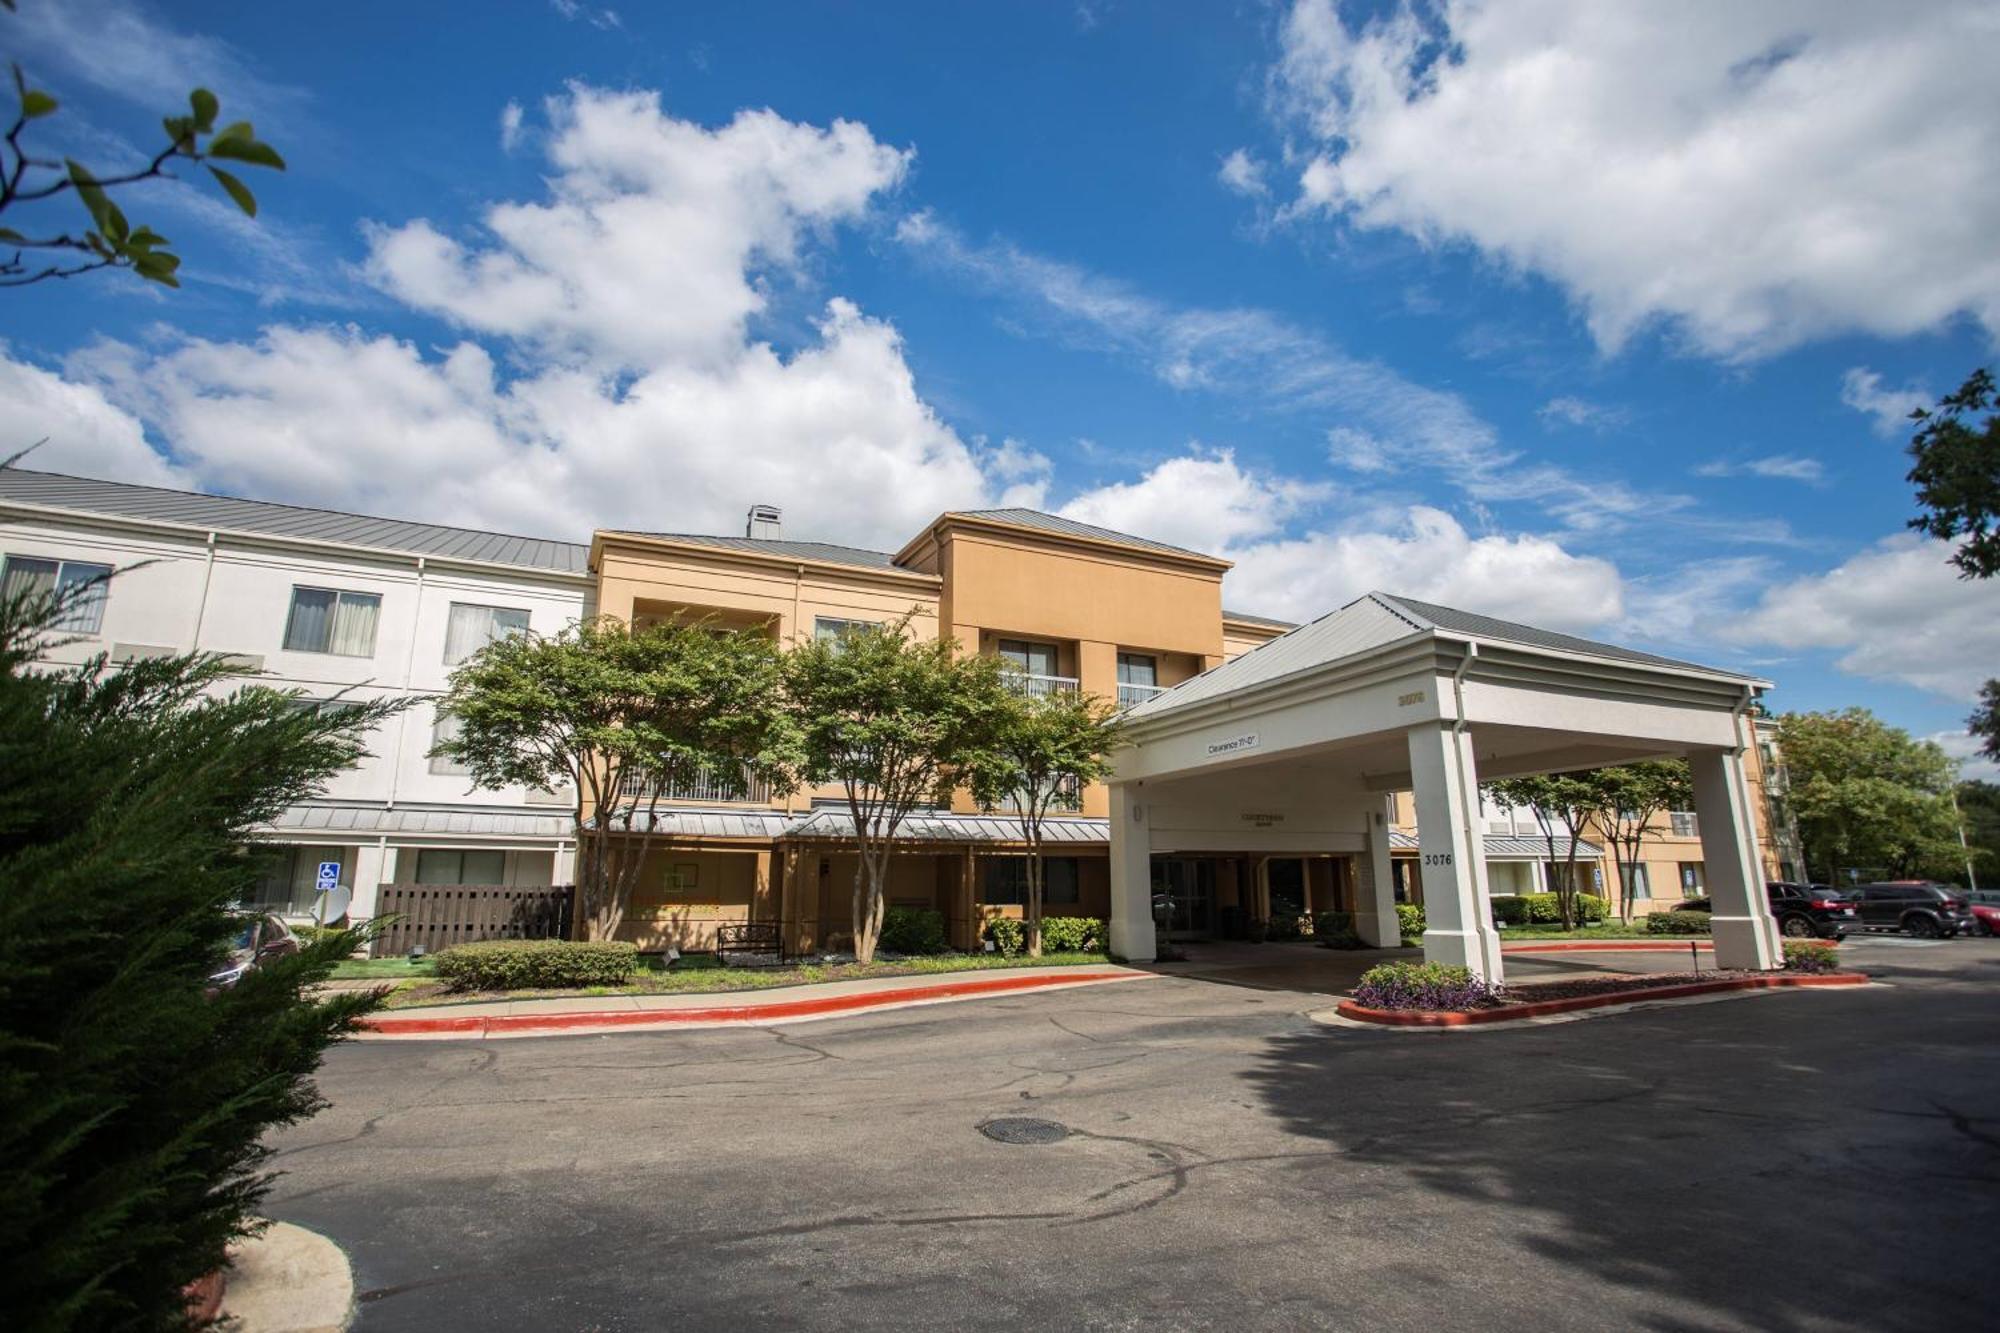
133 1102
620 717
110 241
1955 466
1979 818
896 723
1634 796
1568 800
1043 751
1866 795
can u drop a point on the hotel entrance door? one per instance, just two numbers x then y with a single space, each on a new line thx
1188 885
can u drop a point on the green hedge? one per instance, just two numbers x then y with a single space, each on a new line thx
913 930
525 964
1411 918
1543 909
1677 923
1811 956
1060 934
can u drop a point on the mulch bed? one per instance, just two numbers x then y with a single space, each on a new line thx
1536 992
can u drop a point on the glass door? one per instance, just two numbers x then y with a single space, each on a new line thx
1188 887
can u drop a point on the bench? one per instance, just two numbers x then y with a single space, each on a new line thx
762 938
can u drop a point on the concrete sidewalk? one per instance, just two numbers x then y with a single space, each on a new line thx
779 1004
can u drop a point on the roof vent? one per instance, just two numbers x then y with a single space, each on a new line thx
763 522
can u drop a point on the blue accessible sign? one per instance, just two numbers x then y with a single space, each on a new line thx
329 875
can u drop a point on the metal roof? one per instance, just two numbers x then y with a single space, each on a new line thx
1429 615
1035 518
939 827
222 512
1372 622
825 552
447 821
675 822
1506 846
1275 623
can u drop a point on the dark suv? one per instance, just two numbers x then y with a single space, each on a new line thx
1804 911
1924 909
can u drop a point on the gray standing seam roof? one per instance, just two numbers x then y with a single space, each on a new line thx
825 552
194 509
1035 518
1429 615
1272 621
1511 845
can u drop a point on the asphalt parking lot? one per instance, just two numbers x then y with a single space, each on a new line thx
1802 1159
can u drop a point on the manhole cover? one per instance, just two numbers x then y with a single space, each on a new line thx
1023 1129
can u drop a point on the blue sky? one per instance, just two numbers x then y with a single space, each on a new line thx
1596 319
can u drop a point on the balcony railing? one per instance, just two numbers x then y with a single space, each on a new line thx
697 784
1131 695
1037 687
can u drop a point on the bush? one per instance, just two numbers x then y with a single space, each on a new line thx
1811 956
1513 911
1421 986
1410 918
913 930
1008 934
1590 908
1335 930
1073 934
533 964
1677 923
136 1099
1288 927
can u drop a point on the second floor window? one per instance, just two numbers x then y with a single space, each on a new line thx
473 627
828 629
1138 669
1037 659
447 728
80 584
327 620
1685 824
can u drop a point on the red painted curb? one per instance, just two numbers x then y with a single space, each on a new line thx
483 1024
1606 946
1452 1018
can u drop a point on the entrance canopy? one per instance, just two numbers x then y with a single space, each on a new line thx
1293 746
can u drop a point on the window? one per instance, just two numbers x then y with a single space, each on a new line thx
447 865
1007 882
1691 879
1685 824
1138 669
290 880
1037 659
681 878
1637 883
473 627
324 620
447 727
827 629
80 585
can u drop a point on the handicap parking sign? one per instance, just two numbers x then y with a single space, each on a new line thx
329 875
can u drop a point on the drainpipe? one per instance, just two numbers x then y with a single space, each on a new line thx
409 672
201 607
1467 799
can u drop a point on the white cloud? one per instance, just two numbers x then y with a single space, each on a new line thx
1429 556
117 48
1774 467
1759 175
1896 611
1569 410
650 245
1861 389
661 411
75 428
1243 174
1967 749
1203 500
510 126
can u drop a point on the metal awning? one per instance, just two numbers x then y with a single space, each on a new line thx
329 817
1509 847
931 826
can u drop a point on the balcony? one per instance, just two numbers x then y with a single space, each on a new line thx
1131 696
1038 687
705 785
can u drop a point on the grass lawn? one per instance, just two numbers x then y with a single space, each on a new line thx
382 969
700 974
1608 930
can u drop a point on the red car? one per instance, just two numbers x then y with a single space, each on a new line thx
264 935
1985 908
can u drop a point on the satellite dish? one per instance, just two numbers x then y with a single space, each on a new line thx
333 904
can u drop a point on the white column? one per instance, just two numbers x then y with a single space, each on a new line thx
1458 916
1375 892
1746 935
1131 876
368 877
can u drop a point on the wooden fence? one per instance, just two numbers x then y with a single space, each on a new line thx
438 916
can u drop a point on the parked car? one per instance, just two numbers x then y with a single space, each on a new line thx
264 936
1804 911
1984 904
1915 906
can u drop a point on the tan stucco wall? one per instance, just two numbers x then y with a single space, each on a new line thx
725 886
